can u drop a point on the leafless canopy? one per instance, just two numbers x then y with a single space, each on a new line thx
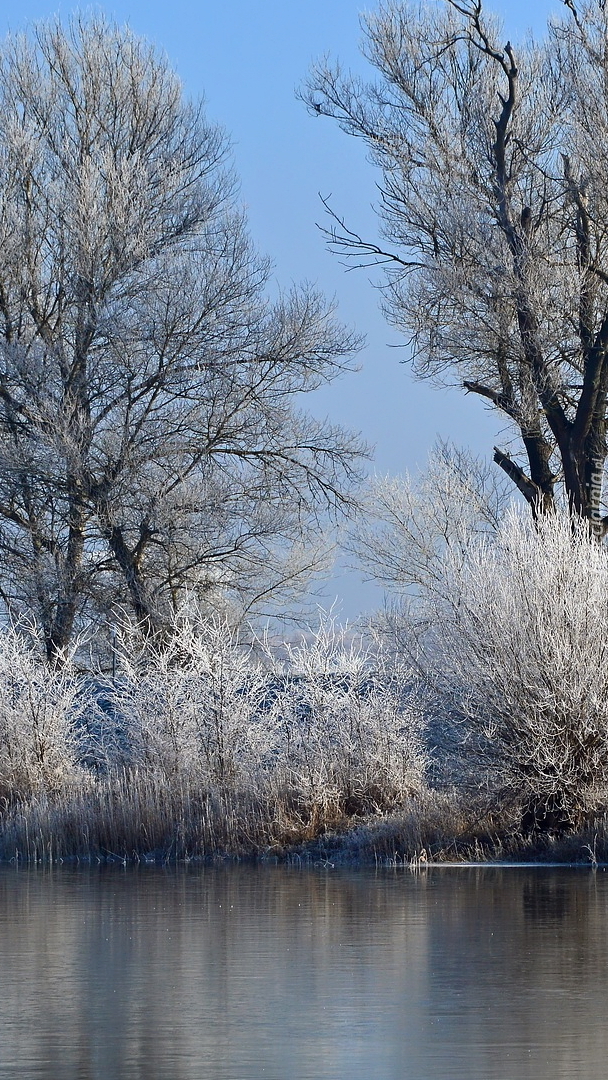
150 440
494 206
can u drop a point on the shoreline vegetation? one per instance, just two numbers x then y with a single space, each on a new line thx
211 745
132 820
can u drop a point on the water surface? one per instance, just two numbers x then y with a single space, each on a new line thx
245 973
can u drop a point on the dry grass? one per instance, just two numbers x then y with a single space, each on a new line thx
134 817
131 816
440 828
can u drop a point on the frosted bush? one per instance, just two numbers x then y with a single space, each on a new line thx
41 719
350 729
518 653
330 721
191 706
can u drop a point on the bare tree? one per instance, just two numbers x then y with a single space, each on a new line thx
494 202
150 440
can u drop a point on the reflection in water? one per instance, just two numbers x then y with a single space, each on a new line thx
546 899
243 973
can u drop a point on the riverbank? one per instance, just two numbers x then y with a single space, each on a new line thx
132 818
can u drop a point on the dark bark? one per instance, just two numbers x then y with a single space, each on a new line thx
130 560
579 442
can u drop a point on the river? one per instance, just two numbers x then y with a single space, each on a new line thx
243 973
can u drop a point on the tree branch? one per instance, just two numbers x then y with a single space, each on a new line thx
528 488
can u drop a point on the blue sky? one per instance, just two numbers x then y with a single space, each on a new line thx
247 58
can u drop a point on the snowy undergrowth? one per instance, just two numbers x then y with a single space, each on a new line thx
204 743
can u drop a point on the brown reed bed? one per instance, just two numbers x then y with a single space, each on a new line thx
131 816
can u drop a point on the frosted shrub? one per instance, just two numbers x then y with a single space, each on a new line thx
41 720
331 722
518 653
202 743
191 706
350 729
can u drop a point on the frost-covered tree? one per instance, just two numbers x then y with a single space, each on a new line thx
150 436
493 202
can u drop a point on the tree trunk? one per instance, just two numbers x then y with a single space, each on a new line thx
59 633
129 560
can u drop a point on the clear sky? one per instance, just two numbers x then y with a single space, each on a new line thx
246 58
